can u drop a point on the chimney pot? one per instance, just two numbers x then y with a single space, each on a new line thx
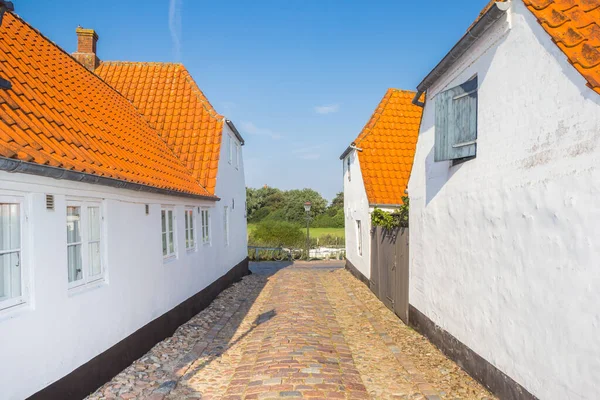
86 48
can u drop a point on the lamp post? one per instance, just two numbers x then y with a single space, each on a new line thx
307 209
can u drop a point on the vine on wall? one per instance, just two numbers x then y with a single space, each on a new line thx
391 220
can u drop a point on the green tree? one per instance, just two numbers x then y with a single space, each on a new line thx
293 205
261 202
337 202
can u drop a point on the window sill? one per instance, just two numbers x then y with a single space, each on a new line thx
14 310
86 287
192 250
459 161
169 259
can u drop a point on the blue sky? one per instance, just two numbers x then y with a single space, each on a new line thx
298 78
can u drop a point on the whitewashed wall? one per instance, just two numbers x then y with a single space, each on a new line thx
356 207
58 330
504 248
231 189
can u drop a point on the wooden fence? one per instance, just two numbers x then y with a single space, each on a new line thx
389 269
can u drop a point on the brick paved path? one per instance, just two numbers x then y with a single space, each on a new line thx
303 331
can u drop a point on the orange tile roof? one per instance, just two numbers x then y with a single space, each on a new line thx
169 98
574 25
388 142
60 114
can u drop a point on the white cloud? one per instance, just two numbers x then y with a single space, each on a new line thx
328 109
251 129
175 26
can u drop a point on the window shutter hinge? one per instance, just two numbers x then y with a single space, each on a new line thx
464 144
460 96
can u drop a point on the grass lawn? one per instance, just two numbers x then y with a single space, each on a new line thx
318 232
314 232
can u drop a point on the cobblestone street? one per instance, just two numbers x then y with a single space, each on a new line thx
294 331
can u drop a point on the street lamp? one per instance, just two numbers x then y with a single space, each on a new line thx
307 209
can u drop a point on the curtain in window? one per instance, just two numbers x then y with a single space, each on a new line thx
74 243
10 251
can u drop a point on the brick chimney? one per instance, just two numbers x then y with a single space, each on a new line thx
86 48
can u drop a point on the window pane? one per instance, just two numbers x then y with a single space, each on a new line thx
10 227
94 217
187 213
187 238
164 220
74 262
164 242
73 224
170 220
10 275
192 234
171 244
95 266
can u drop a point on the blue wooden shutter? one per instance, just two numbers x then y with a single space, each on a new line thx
456 122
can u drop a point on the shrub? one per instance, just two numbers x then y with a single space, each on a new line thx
276 234
396 219
329 221
259 214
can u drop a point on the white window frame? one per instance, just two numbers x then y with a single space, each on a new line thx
237 155
229 149
226 225
359 241
11 302
190 229
169 255
205 226
85 241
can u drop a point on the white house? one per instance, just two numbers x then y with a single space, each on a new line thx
114 228
504 190
376 169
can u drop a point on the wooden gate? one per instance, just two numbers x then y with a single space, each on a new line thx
389 269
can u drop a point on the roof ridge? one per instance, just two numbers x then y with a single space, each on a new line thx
195 88
117 62
177 158
64 51
368 128
202 98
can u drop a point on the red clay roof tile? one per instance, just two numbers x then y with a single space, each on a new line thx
169 98
388 142
58 113
574 25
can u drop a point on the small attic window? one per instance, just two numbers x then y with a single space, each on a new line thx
348 168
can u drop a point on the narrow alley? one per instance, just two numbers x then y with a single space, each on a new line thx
294 331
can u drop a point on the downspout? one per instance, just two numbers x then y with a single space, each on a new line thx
461 47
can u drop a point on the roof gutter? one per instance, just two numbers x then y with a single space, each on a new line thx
464 44
235 131
348 150
374 205
18 166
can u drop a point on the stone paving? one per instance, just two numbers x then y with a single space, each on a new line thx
294 331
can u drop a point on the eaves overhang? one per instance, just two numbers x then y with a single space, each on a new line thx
18 166
235 131
474 33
